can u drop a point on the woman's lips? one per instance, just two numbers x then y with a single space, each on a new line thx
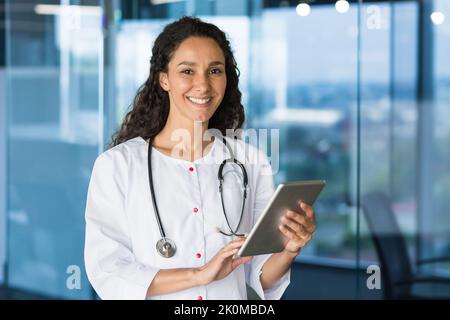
199 102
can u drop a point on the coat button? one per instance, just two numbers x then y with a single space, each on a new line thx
191 169
195 210
198 255
199 298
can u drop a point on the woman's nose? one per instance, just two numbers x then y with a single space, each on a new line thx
202 83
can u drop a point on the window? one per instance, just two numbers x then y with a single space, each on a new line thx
362 103
53 82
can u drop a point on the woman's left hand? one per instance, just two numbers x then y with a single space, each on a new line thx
298 228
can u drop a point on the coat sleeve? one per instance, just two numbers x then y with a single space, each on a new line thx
111 266
264 190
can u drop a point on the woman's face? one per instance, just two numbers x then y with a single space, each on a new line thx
196 79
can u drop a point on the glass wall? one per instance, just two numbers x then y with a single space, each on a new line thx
404 138
311 101
388 112
2 144
434 132
358 90
53 82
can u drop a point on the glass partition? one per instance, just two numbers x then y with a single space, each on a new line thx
53 80
434 225
404 134
355 92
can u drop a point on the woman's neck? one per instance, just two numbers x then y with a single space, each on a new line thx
184 139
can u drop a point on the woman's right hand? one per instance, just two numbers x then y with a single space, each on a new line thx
222 264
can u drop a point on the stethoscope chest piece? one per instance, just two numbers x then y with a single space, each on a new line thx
166 247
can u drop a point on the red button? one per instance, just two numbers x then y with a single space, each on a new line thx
191 169
198 255
195 210
199 298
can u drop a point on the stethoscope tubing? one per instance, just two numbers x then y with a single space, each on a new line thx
165 246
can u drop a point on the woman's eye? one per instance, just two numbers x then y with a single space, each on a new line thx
213 71
216 71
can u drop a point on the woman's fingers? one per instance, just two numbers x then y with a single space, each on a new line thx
297 217
228 254
234 244
307 222
295 226
231 249
238 261
292 235
287 232
308 210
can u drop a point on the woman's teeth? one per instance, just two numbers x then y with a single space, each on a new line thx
199 101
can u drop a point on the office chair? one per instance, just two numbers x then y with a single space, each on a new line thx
397 274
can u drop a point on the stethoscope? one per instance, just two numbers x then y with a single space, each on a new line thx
165 246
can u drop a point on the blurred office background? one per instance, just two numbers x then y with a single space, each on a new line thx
360 91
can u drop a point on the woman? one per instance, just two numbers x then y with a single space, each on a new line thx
193 84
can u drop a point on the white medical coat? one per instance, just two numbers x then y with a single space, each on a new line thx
121 229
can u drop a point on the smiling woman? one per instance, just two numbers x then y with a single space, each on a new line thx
183 76
196 80
193 83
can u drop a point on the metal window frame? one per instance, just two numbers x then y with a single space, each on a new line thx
425 95
3 147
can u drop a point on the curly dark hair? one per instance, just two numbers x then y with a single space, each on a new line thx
150 107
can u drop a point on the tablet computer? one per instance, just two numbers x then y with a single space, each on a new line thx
265 237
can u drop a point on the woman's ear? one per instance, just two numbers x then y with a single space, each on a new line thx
163 81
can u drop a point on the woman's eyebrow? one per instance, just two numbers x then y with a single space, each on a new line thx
190 64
